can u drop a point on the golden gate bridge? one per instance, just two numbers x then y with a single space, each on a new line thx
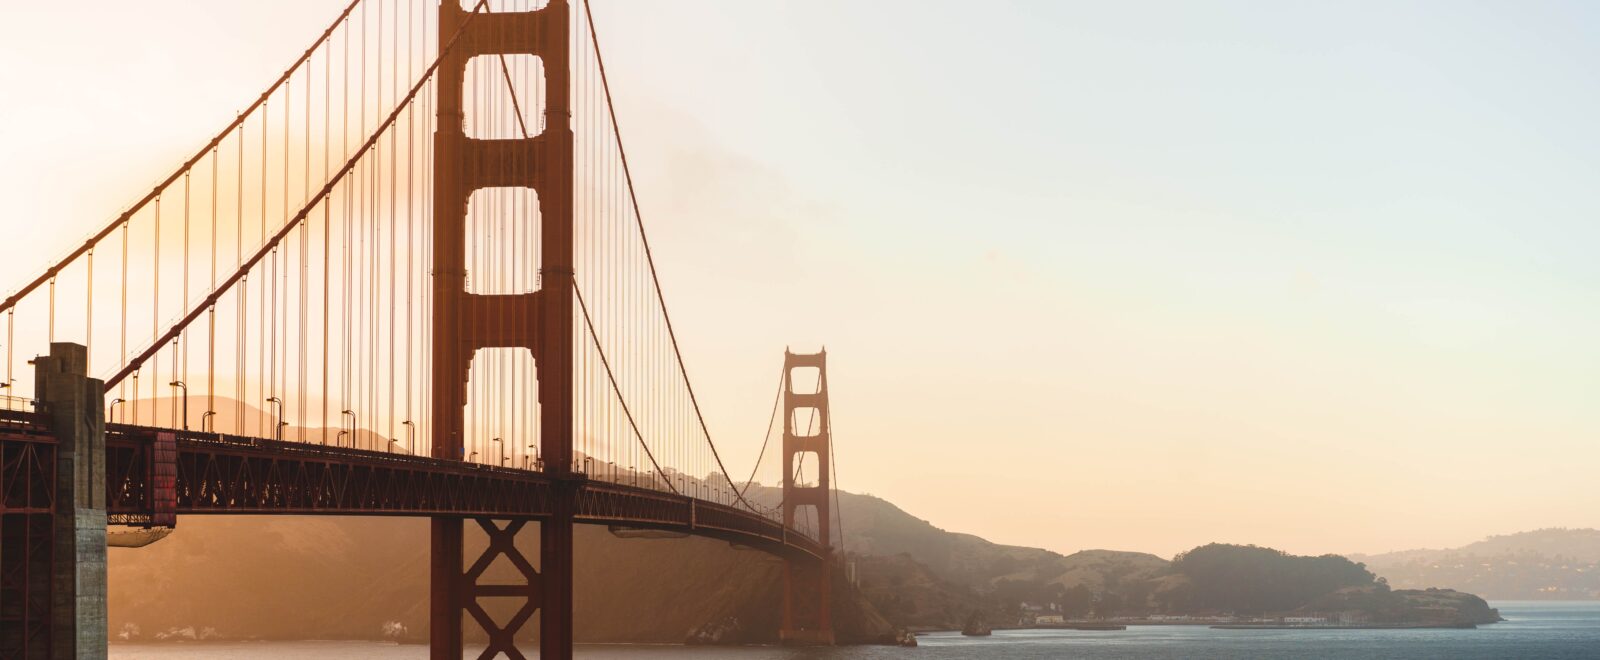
411 278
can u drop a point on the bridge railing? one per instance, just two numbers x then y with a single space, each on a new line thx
223 474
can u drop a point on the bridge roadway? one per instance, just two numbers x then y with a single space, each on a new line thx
227 474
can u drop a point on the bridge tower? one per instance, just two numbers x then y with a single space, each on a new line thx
53 518
540 322
811 438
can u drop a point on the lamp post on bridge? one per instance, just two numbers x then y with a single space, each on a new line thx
277 429
502 444
111 411
185 388
411 437
208 421
352 415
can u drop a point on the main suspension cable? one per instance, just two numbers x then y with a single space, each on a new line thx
601 351
270 245
655 279
154 193
776 398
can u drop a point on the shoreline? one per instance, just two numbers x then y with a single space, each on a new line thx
1115 625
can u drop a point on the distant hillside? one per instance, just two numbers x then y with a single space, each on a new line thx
920 576
279 577
272 577
1546 564
349 578
1574 544
876 527
1248 579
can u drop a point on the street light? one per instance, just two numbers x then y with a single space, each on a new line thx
277 430
411 436
502 449
338 440
112 409
208 424
538 462
180 385
390 447
352 415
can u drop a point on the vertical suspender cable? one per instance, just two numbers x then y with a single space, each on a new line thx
211 333
88 313
327 226
155 316
122 351
394 80
183 374
261 303
305 267
649 258
243 292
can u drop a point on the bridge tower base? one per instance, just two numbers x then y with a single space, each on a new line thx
540 321
53 549
813 439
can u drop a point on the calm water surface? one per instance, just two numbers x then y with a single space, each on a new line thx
1532 631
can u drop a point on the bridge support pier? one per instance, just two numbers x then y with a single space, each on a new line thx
546 590
555 563
814 439
73 404
444 584
539 321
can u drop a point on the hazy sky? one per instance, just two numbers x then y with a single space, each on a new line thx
1124 275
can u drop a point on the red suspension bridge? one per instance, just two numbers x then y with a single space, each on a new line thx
411 278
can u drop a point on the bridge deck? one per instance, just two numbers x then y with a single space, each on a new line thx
225 474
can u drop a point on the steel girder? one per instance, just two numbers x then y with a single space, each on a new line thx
223 474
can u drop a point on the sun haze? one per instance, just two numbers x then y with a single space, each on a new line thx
1090 275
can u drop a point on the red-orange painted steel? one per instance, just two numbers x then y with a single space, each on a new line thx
797 443
27 539
164 481
540 322
224 474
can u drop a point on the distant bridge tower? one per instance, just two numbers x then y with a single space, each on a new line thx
540 322
806 442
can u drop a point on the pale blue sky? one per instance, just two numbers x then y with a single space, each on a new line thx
1317 276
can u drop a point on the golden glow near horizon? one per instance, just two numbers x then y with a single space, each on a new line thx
1090 276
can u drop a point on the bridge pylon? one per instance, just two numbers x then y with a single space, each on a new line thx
813 440
540 322
53 518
